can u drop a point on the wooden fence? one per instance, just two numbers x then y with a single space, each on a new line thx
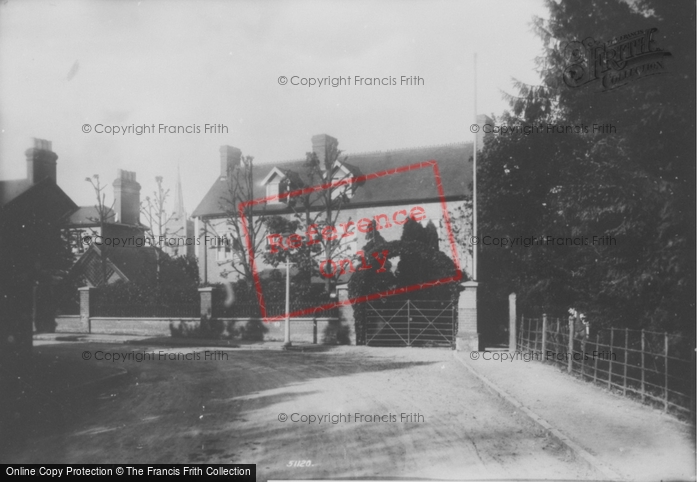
656 368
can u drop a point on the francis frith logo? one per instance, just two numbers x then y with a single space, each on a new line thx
617 62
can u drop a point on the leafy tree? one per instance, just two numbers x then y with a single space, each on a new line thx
422 262
35 258
302 258
636 185
370 281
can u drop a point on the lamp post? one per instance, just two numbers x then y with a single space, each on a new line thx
287 334
287 328
476 138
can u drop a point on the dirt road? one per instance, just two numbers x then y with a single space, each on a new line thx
228 409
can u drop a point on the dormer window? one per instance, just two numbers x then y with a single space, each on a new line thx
273 189
273 186
340 172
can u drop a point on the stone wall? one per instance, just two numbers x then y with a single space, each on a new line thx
303 330
307 330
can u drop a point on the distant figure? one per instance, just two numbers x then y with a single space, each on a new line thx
581 326
230 295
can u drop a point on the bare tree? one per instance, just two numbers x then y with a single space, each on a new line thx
322 207
240 190
153 208
104 215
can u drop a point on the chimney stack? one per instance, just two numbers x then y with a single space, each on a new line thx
41 161
230 159
323 144
127 197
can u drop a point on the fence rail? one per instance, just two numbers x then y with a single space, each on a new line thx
656 368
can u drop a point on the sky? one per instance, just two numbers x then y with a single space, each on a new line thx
64 64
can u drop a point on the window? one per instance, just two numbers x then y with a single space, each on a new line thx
223 243
341 173
273 189
224 250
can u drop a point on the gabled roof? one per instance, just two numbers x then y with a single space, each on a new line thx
42 200
354 170
272 174
10 189
131 264
454 163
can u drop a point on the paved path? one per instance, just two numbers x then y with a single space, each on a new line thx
637 442
228 410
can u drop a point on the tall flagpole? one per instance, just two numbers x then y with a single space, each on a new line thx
475 243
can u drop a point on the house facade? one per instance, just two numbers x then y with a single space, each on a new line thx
387 199
114 248
33 252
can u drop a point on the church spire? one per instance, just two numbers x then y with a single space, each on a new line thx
179 202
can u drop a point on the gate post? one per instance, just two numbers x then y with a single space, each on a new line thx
206 302
467 331
570 357
544 333
513 322
85 306
346 315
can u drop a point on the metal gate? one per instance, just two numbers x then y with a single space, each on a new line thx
411 323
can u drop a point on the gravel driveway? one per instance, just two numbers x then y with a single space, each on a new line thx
229 409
